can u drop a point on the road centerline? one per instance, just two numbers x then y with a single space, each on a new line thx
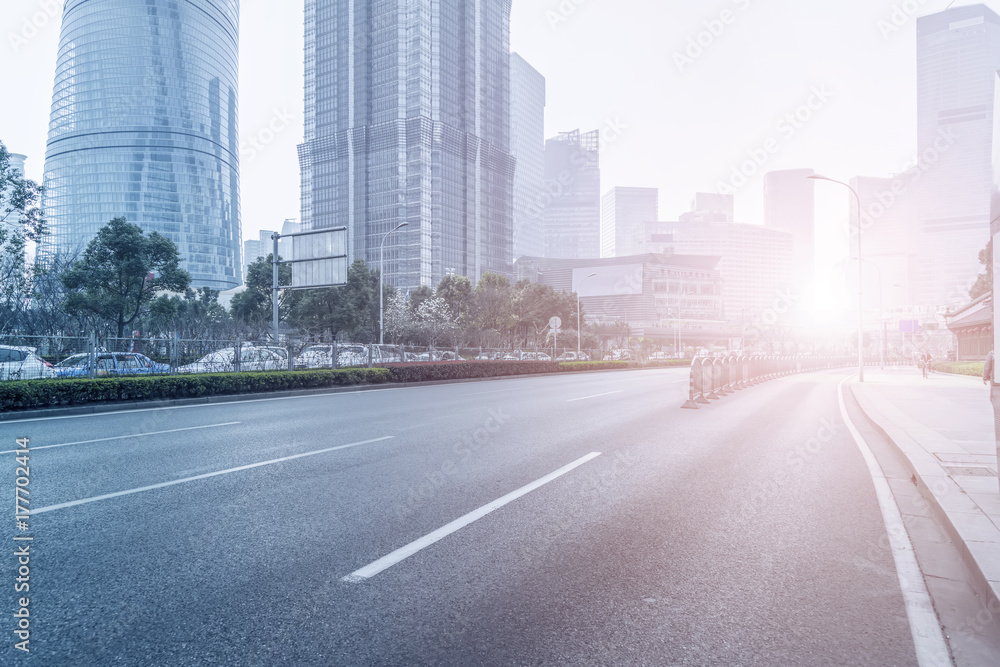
417 545
587 398
185 480
126 437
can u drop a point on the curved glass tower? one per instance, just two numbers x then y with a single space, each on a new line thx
144 125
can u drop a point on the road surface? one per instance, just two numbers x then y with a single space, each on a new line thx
623 530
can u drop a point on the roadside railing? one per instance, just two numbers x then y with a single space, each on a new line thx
715 378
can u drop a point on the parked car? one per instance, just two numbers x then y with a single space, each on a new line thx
109 364
573 356
516 355
21 363
251 359
536 356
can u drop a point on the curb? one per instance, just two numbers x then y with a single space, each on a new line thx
987 590
126 406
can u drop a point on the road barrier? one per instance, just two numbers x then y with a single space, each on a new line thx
713 379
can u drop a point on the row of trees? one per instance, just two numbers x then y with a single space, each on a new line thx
128 280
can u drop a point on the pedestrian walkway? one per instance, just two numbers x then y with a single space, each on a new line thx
943 425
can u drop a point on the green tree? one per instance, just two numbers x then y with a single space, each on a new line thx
21 221
195 315
984 283
457 293
350 310
493 305
251 308
120 273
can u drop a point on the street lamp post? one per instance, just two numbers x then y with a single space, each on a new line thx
381 275
861 305
579 334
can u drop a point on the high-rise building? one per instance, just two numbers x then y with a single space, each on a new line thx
254 249
711 207
958 55
887 240
144 126
573 195
408 121
790 206
624 211
756 264
527 144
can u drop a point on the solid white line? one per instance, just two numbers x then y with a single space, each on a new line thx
928 639
403 553
151 487
125 437
587 398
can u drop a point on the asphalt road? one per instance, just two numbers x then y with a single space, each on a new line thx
745 533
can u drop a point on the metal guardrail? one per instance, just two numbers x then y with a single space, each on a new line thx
712 379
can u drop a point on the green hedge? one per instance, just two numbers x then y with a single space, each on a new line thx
973 368
30 394
26 394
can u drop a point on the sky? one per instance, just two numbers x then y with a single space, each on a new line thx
687 90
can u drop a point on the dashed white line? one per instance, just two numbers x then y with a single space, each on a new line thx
152 487
126 437
403 553
587 398
928 639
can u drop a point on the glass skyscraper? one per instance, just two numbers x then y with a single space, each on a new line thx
408 120
144 125
527 144
958 55
573 195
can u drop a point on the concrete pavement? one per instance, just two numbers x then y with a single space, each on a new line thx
943 427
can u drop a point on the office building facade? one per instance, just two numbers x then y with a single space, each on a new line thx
624 210
144 126
527 145
958 55
756 262
573 195
790 206
408 121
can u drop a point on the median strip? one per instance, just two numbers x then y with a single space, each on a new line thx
126 437
405 552
162 485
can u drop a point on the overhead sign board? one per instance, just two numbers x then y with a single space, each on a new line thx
319 259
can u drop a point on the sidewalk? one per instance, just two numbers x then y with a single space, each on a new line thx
943 425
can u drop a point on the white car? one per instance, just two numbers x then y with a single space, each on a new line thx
224 361
21 363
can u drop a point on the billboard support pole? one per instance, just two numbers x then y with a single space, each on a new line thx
274 288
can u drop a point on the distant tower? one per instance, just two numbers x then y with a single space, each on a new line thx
527 145
790 206
144 125
958 55
408 120
573 196
625 210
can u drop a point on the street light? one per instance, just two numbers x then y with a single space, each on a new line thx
381 275
861 307
579 335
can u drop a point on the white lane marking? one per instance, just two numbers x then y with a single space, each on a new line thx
152 487
403 553
125 437
928 639
587 398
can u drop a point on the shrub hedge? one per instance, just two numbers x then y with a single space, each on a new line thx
30 394
20 395
973 368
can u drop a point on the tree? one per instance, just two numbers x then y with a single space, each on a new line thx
251 308
350 310
196 315
21 222
493 304
120 273
984 283
457 293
